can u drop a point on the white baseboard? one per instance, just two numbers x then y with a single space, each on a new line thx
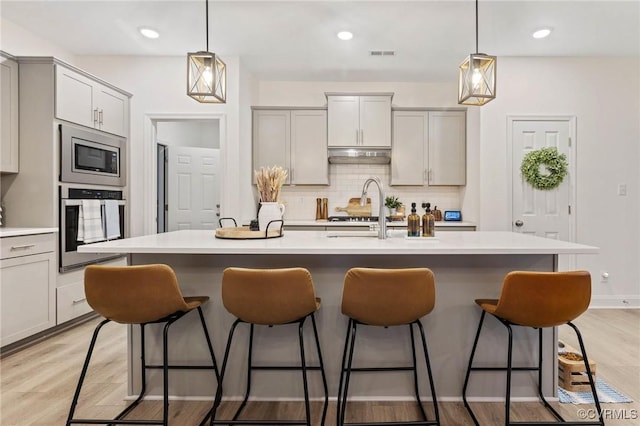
623 301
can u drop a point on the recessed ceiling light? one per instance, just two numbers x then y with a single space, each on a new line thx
345 35
541 33
149 33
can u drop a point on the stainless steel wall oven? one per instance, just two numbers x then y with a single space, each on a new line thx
71 201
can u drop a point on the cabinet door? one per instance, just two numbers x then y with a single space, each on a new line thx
309 165
409 148
272 139
27 296
375 121
447 148
343 120
113 110
74 98
9 160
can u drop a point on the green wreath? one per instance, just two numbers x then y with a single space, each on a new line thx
555 164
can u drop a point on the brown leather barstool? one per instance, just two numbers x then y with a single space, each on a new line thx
147 294
270 297
538 300
385 298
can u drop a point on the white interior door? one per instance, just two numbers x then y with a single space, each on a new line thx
546 213
193 188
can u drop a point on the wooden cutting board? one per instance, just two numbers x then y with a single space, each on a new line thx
355 209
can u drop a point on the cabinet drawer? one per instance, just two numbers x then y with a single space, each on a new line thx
71 302
27 245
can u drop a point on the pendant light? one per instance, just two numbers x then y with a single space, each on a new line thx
477 76
206 74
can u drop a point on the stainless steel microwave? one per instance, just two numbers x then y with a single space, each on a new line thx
90 157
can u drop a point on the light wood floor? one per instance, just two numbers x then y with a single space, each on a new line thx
38 382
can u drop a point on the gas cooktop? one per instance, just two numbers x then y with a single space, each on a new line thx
357 219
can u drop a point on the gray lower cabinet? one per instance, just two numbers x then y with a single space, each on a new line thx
295 139
27 286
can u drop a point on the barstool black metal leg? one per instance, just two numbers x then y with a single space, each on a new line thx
249 369
211 415
431 383
165 372
509 359
303 363
83 373
209 344
466 379
143 377
348 372
592 383
342 370
324 376
415 372
540 394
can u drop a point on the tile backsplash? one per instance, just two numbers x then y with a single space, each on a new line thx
346 181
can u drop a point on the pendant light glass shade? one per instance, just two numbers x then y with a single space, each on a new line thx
206 77
477 76
477 79
206 73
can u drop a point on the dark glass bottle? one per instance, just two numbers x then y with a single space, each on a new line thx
428 223
413 222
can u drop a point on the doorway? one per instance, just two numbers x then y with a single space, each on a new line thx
548 213
187 174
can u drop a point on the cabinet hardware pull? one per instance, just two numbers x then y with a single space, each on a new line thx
95 115
100 116
361 137
75 302
357 137
425 177
430 175
24 247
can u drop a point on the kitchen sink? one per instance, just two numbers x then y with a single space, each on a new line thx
365 234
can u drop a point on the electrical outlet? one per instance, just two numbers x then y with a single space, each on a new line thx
604 277
622 189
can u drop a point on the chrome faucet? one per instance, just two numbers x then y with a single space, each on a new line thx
382 220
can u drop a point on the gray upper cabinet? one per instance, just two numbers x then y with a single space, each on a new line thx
9 145
295 139
447 148
429 148
82 100
359 120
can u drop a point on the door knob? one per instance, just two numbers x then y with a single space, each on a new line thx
519 223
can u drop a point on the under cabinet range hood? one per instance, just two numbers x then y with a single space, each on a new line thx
359 156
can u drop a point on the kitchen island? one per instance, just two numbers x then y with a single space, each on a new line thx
467 265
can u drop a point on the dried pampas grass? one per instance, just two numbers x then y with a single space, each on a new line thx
269 181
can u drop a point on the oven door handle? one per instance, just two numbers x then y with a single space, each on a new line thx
68 202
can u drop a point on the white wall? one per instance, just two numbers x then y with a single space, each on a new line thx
19 42
603 93
193 133
346 180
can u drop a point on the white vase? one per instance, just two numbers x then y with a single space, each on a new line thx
270 211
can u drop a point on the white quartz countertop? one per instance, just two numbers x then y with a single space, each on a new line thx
318 242
18 232
392 224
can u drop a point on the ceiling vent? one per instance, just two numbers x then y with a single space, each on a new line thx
382 53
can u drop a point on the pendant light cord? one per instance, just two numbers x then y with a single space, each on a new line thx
476 26
207 21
